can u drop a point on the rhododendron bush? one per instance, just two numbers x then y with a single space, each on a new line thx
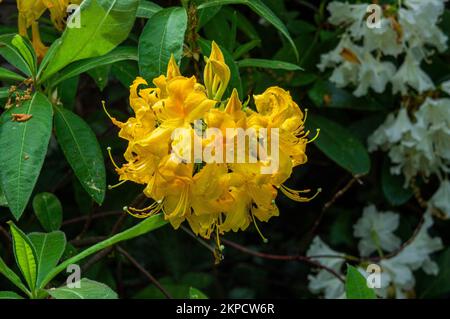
152 149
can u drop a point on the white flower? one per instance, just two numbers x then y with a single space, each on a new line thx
383 38
373 74
350 15
446 87
376 229
411 75
419 146
420 24
441 199
398 270
324 281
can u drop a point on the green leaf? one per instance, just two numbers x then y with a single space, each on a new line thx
12 277
25 254
162 36
194 293
49 250
82 151
392 186
3 201
48 57
439 285
4 93
268 64
48 210
7 75
246 47
116 55
147 9
205 15
9 295
125 72
261 9
340 98
12 54
67 92
340 145
27 144
25 48
143 227
100 75
105 24
356 285
235 79
89 289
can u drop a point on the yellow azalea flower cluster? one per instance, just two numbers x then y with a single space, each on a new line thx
211 197
31 10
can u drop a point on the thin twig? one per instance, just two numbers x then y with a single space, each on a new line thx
282 257
149 276
94 216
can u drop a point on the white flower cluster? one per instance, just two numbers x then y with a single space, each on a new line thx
324 282
419 145
376 232
361 57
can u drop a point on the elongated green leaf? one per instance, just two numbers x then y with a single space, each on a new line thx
88 289
48 57
8 75
25 254
340 145
246 47
235 79
12 54
356 285
12 277
116 55
9 295
143 227
206 14
27 144
147 9
48 210
162 36
125 72
194 293
261 9
49 250
82 151
268 64
104 25
100 75
4 93
3 201
25 49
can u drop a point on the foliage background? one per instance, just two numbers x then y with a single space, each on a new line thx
176 259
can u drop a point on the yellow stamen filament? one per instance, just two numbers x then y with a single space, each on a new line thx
295 194
145 212
106 111
111 158
315 137
265 240
117 185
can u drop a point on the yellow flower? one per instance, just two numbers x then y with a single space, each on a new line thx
213 196
216 74
31 10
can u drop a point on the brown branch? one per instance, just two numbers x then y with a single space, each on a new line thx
94 216
282 257
149 276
